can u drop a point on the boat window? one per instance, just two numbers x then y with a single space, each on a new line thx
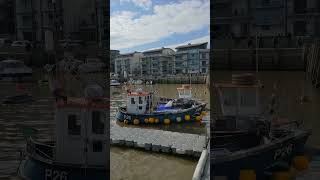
96 146
248 98
97 122
229 97
132 101
140 100
74 124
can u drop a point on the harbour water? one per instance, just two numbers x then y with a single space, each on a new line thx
134 164
142 165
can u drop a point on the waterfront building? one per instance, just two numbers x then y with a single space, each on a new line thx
113 55
75 19
7 18
157 62
128 63
192 58
35 17
243 18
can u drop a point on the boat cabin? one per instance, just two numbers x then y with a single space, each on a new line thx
139 102
185 91
81 132
239 98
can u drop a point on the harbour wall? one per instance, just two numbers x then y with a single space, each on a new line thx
267 59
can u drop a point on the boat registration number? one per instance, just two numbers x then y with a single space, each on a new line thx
283 152
51 174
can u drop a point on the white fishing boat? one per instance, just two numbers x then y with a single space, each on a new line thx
80 148
14 70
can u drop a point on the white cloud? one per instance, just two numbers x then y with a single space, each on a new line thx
127 30
146 4
193 41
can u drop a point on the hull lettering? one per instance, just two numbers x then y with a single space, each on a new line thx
51 174
283 152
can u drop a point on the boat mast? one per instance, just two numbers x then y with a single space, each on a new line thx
257 57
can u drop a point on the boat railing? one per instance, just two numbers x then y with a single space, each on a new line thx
39 150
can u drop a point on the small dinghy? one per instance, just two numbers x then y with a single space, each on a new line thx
18 99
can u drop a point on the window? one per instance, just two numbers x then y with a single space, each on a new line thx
97 146
248 98
140 107
74 124
229 97
299 28
140 100
97 122
132 101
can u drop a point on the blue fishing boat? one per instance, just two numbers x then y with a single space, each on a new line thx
80 148
144 108
246 138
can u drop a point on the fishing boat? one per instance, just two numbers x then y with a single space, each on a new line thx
244 137
18 99
114 82
80 148
14 70
143 108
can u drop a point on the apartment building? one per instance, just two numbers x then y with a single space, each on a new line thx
35 17
157 62
192 58
244 18
128 63
113 55
74 19
7 17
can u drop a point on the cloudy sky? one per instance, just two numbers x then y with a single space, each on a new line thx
138 25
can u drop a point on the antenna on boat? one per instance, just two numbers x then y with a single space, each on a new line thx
257 57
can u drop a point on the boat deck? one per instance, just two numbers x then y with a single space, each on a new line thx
158 140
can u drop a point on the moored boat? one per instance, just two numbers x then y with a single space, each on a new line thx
80 148
143 108
114 82
245 138
18 99
14 70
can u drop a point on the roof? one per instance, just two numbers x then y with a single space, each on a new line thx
82 103
127 54
191 45
155 50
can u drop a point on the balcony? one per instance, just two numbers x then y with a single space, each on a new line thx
270 5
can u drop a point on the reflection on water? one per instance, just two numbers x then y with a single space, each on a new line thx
134 164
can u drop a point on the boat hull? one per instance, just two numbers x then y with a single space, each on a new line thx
31 169
16 77
260 158
174 117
